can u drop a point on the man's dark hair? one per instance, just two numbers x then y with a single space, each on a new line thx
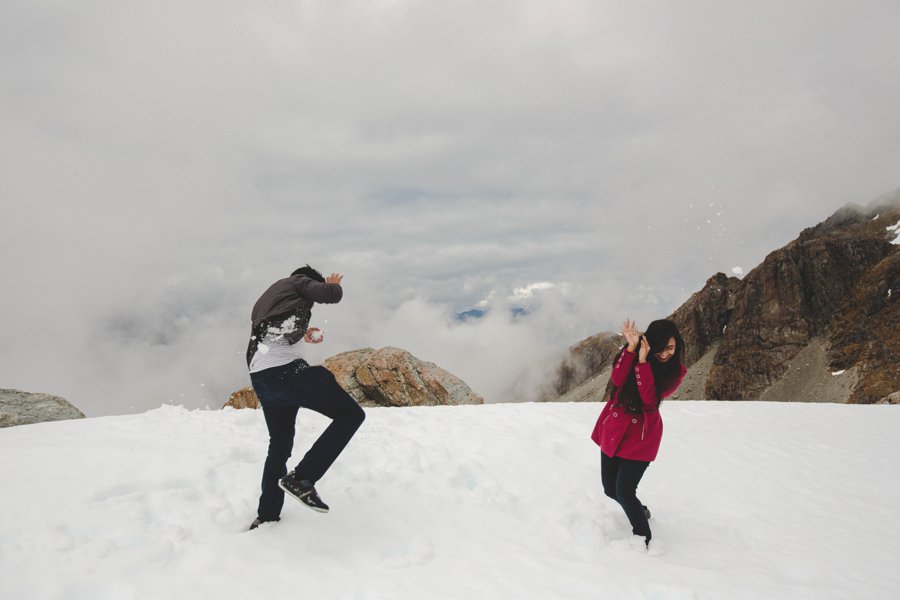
308 271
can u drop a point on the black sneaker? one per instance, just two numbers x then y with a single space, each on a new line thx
303 490
257 522
646 512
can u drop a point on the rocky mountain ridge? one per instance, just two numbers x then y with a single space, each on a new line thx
817 320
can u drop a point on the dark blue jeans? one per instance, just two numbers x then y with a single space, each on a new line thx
620 480
282 391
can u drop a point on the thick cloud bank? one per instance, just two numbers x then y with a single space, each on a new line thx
160 165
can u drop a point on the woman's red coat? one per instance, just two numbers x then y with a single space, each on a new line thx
627 435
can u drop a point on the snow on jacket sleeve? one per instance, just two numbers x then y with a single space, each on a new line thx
323 293
622 367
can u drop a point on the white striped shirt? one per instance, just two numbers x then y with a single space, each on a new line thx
275 351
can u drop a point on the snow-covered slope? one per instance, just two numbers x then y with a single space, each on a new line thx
749 500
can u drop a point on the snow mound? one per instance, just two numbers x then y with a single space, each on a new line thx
749 500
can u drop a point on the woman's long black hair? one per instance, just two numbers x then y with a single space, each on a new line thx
665 374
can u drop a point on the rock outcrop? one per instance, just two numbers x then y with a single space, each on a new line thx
386 377
703 319
23 408
818 320
891 399
866 332
588 360
394 377
831 284
243 398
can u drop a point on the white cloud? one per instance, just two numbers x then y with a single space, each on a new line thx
167 163
527 291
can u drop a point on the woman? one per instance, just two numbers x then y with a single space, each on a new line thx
629 429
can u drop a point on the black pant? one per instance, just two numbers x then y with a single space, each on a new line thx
620 480
281 392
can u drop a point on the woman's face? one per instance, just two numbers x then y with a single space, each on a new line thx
666 352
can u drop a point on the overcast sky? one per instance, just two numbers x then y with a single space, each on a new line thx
161 164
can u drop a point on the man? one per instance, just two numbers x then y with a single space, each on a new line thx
284 382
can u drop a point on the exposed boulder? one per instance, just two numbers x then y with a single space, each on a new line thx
386 377
890 399
344 366
23 408
243 398
394 377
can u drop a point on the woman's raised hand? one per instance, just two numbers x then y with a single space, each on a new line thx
644 352
632 335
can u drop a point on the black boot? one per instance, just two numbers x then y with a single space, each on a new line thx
302 490
257 522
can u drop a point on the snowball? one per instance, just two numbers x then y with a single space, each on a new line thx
738 271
